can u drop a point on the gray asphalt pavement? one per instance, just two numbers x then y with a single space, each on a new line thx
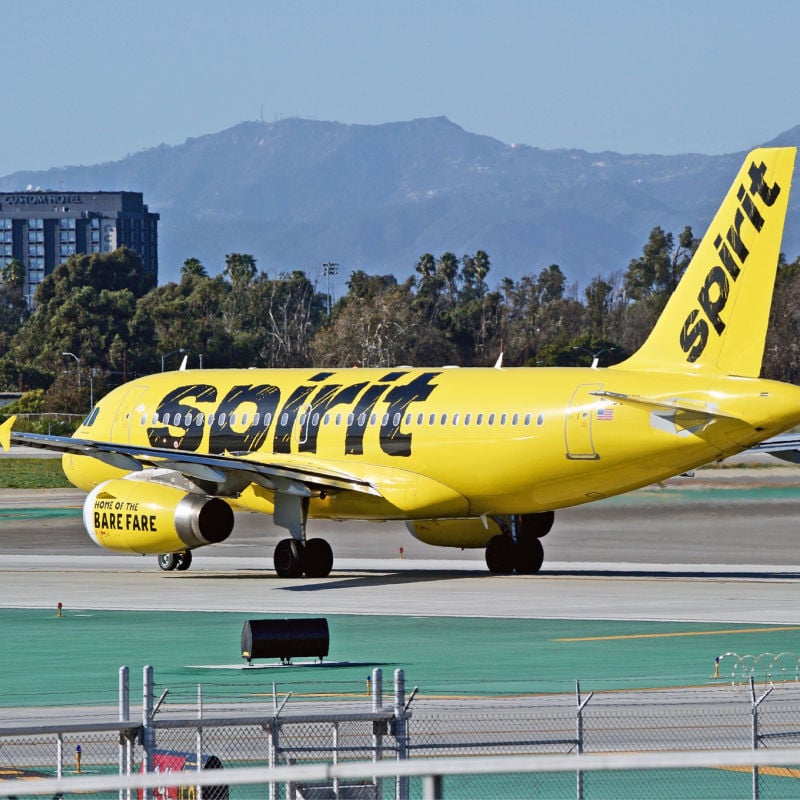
720 546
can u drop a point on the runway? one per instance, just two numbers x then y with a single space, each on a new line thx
721 546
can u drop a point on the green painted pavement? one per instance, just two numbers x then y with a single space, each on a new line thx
75 659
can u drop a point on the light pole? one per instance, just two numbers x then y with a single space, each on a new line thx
171 352
78 368
329 269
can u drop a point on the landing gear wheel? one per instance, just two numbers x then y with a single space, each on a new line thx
184 561
168 561
288 558
500 555
538 525
529 556
317 558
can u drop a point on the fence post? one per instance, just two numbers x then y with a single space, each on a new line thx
124 716
401 781
148 733
756 736
579 733
377 727
199 735
272 759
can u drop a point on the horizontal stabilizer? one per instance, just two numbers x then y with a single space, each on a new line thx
686 406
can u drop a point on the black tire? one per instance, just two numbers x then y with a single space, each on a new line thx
537 525
184 561
500 555
317 558
529 556
288 558
168 561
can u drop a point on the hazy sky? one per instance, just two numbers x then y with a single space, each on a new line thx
95 80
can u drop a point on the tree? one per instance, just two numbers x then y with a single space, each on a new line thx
13 305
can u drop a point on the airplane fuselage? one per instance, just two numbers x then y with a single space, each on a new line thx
446 441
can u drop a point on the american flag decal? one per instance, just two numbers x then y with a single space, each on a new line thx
607 412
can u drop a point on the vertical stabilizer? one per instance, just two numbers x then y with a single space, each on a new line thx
716 320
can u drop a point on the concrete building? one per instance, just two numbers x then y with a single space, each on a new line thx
43 229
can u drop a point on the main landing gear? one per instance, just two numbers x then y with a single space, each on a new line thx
519 549
313 559
175 561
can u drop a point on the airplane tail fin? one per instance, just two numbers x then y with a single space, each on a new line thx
716 320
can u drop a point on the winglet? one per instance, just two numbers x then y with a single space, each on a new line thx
5 433
716 320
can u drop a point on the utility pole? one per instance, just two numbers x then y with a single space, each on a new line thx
329 269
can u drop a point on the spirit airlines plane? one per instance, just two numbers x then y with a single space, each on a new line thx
468 457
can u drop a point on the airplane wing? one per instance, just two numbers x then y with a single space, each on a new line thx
290 476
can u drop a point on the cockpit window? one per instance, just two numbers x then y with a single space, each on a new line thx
92 417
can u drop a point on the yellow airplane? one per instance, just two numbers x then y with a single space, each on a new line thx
468 457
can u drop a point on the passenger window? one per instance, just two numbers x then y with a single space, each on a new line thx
540 419
326 419
211 420
444 419
166 419
503 418
315 420
338 419
396 420
385 420
256 418
221 419
528 419
479 419
408 419
420 419
468 419
232 420
144 419
515 419
455 419
188 420
284 419
244 419
155 418
432 419
373 419
177 421
302 420
362 418
199 419
491 419
267 419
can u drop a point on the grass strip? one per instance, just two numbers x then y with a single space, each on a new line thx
32 473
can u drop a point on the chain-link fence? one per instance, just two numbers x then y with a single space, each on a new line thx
424 729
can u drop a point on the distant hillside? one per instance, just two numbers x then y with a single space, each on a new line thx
297 193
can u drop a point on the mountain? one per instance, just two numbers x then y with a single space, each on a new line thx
297 193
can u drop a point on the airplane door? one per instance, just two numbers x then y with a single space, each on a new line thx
578 423
126 414
301 425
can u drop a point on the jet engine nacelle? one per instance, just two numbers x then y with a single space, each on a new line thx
461 532
140 517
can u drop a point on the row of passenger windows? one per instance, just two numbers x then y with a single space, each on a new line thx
189 419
